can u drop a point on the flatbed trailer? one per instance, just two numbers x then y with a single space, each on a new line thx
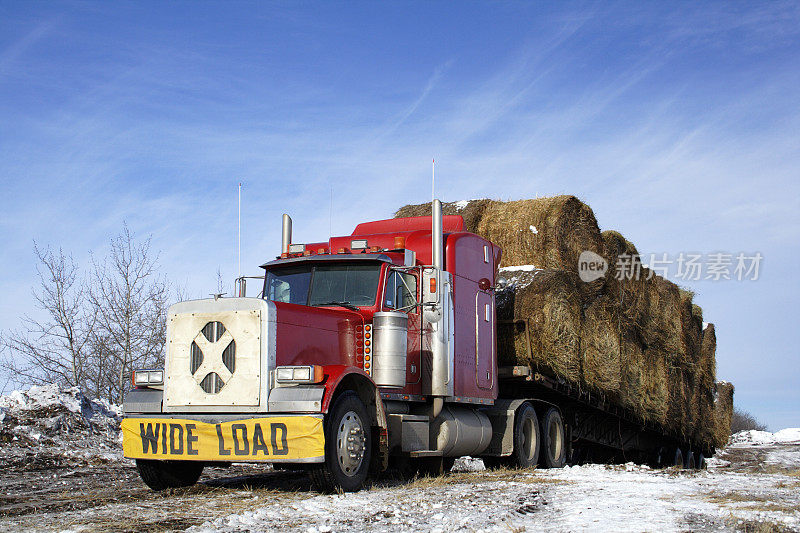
597 428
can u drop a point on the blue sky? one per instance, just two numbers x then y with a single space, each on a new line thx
679 123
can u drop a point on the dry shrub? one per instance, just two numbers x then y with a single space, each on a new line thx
723 411
600 346
550 233
472 213
550 304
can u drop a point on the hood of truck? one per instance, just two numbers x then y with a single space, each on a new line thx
220 353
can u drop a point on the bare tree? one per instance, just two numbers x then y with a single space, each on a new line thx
742 421
55 348
130 300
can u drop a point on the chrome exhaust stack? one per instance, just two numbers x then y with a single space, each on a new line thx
439 315
437 235
286 233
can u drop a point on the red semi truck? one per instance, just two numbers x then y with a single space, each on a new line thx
367 351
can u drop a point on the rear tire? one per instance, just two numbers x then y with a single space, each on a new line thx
348 447
677 459
689 463
702 464
553 440
161 475
527 442
527 438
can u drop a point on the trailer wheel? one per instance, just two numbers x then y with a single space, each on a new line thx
161 475
702 464
677 459
554 442
348 447
527 438
689 461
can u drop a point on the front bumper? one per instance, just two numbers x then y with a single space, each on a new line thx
270 438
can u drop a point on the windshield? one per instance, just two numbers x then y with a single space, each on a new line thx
326 284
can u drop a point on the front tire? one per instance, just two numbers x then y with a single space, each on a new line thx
348 447
161 475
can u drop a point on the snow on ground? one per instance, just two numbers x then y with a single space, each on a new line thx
580 498
58 451
47 425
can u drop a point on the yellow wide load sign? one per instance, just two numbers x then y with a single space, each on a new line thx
278 438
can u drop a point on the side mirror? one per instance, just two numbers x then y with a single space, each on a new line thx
501 283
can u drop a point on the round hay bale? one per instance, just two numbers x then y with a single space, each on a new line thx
470 210
546 311
704 428
678 401
601 347
691 327
707 364
723 412
663 319
550 233
632 373
654 391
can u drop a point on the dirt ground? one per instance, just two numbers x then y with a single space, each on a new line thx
747 489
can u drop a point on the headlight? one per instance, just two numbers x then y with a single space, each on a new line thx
298 374
144 378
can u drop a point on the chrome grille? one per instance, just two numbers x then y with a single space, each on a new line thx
212 383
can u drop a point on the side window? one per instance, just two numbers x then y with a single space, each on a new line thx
397 294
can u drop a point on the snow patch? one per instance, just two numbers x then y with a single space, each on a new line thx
759 438
461 204
47 426
534 230
520 268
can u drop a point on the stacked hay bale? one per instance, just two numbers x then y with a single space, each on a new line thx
723 411
631 335
471 211
547 306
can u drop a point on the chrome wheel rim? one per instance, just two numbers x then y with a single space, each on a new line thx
350 443
555 441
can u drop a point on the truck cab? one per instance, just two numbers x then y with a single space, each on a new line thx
367 349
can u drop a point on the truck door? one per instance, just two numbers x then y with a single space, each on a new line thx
401 294
484 339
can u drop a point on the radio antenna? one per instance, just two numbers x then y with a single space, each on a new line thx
433 180
239 236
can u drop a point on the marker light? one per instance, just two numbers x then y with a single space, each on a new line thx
359 244
399 242
145 378
433 285
298 374
297 248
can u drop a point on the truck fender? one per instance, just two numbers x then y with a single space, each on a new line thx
342 378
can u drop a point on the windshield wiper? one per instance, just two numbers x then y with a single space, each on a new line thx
348 305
